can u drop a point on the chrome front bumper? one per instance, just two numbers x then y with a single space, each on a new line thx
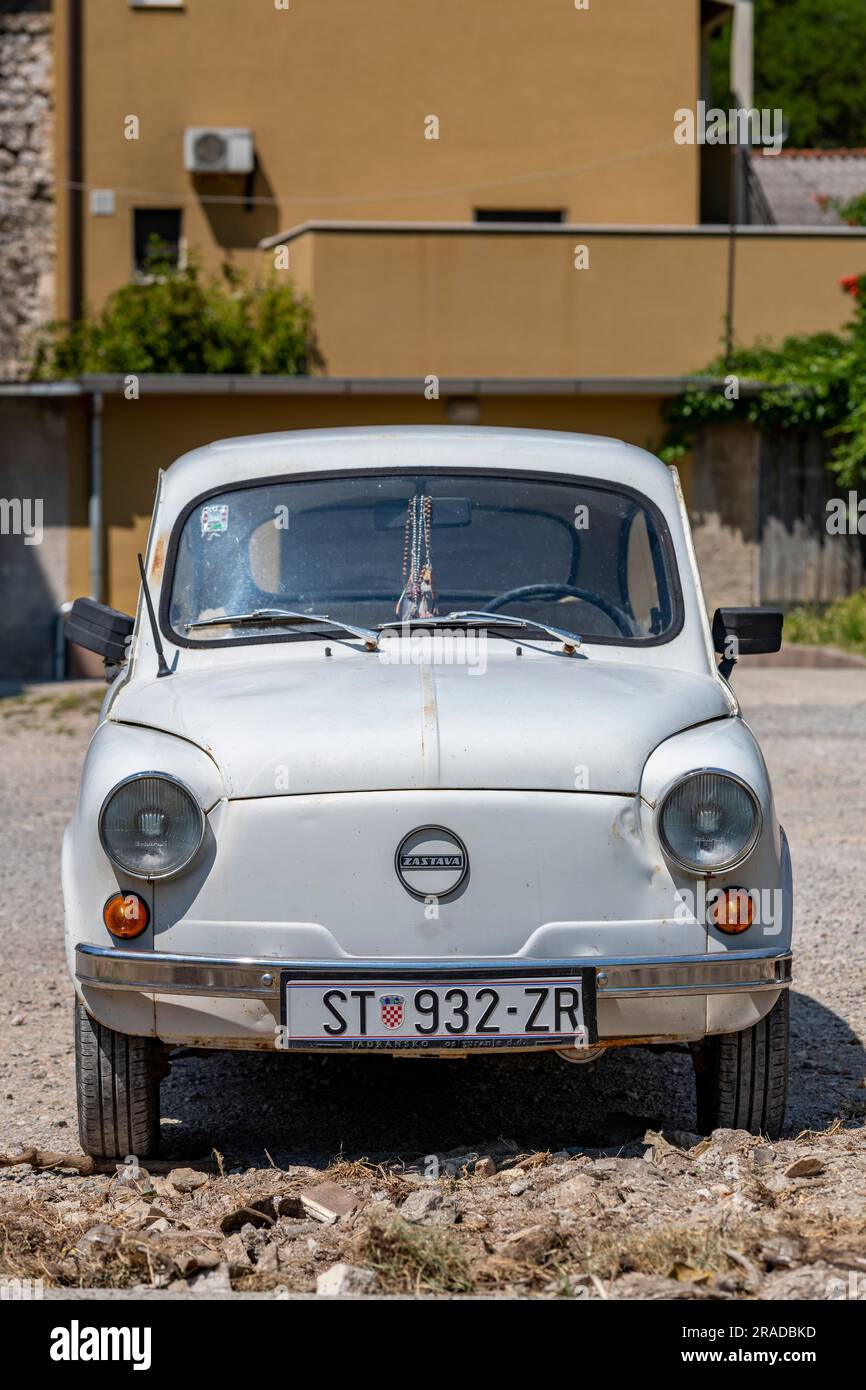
654 977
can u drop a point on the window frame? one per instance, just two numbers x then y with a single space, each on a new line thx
140 276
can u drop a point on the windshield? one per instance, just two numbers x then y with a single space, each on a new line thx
370 549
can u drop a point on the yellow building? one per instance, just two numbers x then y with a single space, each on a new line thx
490 188
391 110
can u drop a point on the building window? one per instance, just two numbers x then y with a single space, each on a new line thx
519 215
156 237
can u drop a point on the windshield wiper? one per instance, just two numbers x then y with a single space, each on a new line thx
570 640
287 616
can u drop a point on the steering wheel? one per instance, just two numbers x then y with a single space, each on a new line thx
553 592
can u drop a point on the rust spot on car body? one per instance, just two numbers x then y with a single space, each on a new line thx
158 562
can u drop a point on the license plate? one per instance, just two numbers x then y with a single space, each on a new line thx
415 1012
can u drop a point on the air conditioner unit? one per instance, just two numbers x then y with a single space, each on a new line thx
218 150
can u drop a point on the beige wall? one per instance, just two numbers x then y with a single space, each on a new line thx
336 92
140 437
540 105
514 305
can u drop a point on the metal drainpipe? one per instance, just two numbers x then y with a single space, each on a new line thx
74 161
94 506
742 53
60 640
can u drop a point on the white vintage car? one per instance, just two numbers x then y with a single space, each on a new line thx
418 741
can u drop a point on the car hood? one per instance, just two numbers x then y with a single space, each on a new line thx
307 724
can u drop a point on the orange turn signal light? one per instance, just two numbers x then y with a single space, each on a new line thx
126 914
733 911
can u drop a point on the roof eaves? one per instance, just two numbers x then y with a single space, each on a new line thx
323 386
558 229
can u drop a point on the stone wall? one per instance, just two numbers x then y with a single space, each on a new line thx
27 233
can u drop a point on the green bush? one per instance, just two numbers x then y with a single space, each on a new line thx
819 380
182 320
808 61
841 624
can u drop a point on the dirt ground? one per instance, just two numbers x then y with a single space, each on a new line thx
523 1175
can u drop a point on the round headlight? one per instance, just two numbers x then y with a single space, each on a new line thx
709 822
150 826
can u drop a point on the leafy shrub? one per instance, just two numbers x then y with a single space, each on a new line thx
816 380
808 61
183 320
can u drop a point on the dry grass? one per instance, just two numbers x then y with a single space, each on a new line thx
79 702
807 1135
370 1176
34 1244
706 1250
413 1259
58 709
664 1250
493 1247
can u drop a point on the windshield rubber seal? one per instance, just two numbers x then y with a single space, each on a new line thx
447 470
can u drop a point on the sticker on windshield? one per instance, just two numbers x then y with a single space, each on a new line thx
215 519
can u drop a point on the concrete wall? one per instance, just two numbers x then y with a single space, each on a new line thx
757 503
722 499
490 304
142 436
41 457
44 454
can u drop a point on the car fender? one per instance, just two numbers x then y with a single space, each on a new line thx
725 745
118 751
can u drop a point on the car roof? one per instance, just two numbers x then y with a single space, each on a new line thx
227 463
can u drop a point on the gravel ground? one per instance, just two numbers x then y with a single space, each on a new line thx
256 1109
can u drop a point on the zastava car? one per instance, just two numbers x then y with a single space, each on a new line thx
418 741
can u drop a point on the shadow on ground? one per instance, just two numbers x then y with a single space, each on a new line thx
307 1109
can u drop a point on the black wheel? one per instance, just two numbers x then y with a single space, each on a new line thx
117 1086
742 1078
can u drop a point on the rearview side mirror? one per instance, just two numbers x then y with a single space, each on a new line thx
100 629
745 632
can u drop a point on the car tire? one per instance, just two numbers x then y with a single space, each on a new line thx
741 1079
117 1087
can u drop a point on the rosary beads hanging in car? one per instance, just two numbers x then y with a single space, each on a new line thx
417 599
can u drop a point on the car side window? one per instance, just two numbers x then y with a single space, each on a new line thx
641 585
